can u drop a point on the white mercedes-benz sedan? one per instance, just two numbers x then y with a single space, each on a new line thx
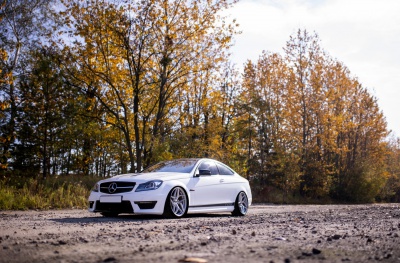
174 189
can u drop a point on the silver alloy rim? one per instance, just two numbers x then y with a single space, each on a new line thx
178 201
243 203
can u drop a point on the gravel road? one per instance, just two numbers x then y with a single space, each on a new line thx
269 233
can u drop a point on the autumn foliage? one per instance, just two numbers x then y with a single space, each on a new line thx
315 128
112 86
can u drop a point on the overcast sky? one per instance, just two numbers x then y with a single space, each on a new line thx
363 34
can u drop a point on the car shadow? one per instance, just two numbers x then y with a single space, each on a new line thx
129 218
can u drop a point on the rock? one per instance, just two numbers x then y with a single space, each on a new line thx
316 251
110 259
387 256
212 238
193 260
83 240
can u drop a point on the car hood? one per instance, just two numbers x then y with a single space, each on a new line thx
136 177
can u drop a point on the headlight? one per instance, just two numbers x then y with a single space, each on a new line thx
96 187
151 185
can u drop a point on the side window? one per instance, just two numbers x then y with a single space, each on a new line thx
209 165
223 170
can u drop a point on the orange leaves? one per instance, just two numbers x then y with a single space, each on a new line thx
5 77
309 105
142 57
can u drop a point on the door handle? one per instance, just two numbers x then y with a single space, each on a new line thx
221 181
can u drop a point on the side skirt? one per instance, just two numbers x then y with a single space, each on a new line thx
228 207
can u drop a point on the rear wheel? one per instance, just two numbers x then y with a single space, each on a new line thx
176 205
241 205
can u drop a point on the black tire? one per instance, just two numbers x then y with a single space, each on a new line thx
176 204
241 205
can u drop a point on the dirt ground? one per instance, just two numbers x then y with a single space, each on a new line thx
269 233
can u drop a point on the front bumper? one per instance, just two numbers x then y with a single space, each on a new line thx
148 202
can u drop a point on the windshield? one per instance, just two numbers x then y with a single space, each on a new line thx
177 166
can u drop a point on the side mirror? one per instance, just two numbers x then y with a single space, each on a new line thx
204 172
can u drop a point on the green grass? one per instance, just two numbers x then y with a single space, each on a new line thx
22 193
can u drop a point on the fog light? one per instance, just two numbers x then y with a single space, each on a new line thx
146 204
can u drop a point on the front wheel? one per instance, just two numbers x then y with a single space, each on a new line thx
176 205
241 205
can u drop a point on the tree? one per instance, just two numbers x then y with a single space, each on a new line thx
21 28
305 59
135 58
391 191
272 147
41 110
309 125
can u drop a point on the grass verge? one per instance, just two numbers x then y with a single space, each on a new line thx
22 193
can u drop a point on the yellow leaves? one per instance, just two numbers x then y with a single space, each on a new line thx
3 55
142 58
309 105
4 77
4 105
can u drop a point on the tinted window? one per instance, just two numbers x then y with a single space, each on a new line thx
209 165
224 170
177 166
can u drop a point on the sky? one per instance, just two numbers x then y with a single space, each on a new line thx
363 34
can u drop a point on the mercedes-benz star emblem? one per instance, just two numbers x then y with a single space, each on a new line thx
112 188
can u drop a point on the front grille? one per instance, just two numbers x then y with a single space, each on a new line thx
116 187
123 207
